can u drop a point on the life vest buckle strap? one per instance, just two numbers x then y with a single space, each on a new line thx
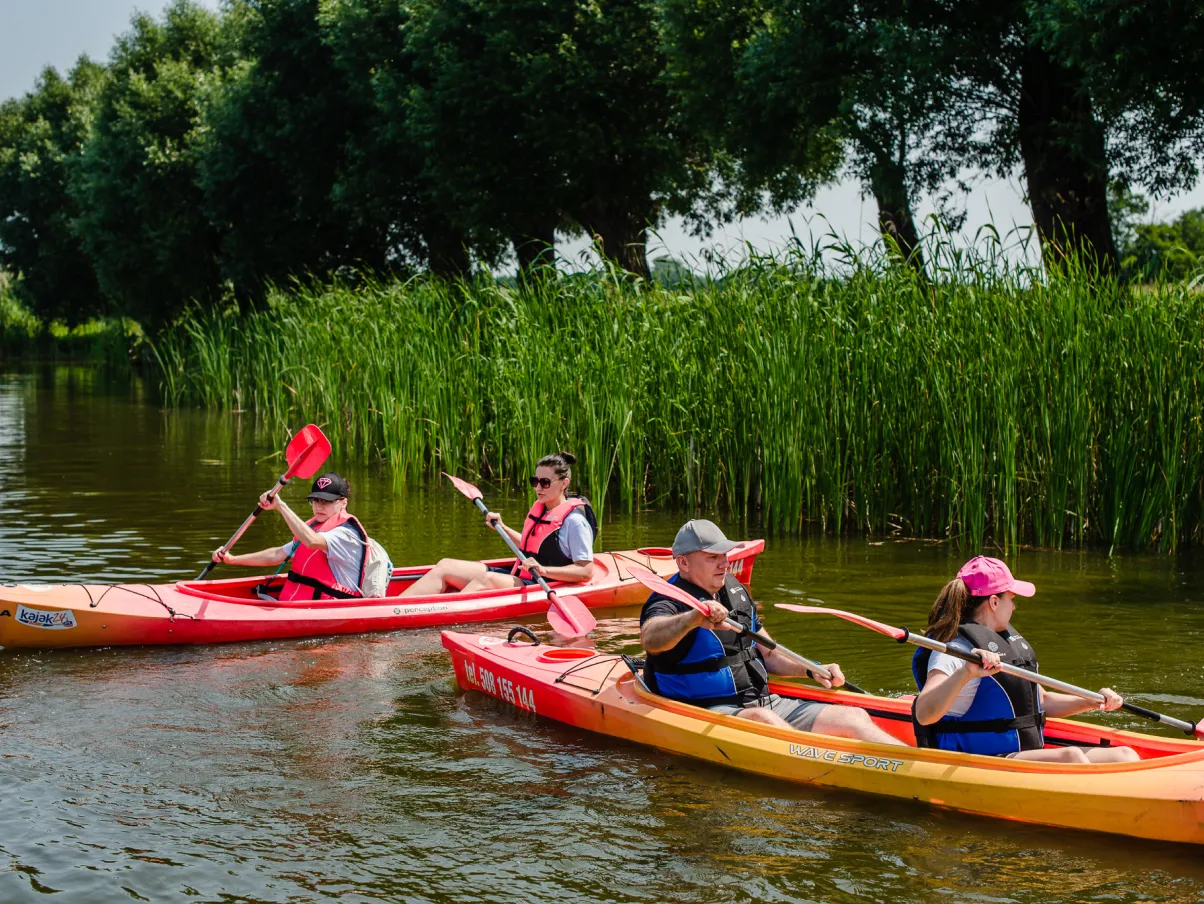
714 664
335 592
995 726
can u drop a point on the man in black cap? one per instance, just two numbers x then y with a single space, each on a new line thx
699 659
329 552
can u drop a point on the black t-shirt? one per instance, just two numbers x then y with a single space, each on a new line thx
750 682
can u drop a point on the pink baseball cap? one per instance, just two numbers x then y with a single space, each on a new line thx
984 576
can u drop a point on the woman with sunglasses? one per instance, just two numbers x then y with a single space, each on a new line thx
557 540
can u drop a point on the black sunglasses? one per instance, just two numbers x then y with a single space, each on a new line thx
540 482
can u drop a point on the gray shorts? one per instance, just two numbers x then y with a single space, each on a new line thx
799 713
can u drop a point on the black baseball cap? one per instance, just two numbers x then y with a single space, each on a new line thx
329 487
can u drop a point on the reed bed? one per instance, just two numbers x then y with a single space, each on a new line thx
990 406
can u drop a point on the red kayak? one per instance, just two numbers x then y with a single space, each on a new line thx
94 615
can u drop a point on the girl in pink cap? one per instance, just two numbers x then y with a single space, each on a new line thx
979 709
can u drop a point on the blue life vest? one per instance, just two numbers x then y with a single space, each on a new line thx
709 668
1005 716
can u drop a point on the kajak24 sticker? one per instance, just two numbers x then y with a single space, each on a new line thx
53 619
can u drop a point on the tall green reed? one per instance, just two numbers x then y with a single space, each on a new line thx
990 404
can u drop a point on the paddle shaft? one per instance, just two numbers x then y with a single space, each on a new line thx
284 478
659 585
1053 683
518 553
813 667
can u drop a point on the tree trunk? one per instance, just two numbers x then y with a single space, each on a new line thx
535 252
888 184
621 234
1065 163
447 253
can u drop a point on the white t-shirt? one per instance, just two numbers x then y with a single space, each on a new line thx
943 662
343 550
576 537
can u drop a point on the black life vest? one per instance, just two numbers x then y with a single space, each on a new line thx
711 668
1005 716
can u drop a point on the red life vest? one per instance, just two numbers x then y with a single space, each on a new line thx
541 533
311 576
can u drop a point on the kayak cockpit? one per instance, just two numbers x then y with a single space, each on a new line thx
893 715
262 590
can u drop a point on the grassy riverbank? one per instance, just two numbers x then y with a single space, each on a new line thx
987 408
107 340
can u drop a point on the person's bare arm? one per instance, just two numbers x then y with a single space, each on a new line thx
273 556
666 631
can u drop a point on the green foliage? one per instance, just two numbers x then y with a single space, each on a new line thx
989 407
538 117
1143 63
19 328
1172 251
384 185
40 138
141 216
109 341
277 128
1155 251
787 85
219 154
778 129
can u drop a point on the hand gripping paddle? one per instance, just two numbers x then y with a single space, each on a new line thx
902 635
306 452
567 615
660 585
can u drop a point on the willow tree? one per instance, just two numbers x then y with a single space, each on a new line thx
40 138
141 212
278 131
538 117
1143 64
385 179
794 89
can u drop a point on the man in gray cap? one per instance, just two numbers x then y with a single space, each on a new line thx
699 659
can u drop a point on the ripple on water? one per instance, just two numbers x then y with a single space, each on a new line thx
351 769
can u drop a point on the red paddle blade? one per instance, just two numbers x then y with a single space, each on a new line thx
569 616
306 452
660 585
896 633
464 487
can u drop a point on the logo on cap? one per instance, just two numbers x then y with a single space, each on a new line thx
324 482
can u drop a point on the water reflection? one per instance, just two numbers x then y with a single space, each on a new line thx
350 768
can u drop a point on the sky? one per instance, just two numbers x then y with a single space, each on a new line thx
37 33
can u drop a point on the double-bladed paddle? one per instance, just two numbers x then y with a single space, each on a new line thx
567 615
902 635
305 453
660 585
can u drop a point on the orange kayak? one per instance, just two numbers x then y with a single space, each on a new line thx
1159 797
90 615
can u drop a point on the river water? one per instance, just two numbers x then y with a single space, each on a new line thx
352 769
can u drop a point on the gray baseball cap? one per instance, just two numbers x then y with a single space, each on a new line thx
701 535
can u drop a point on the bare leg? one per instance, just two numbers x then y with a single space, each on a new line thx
491 580
763 714
1112 755
851 722
454 573
1051 755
